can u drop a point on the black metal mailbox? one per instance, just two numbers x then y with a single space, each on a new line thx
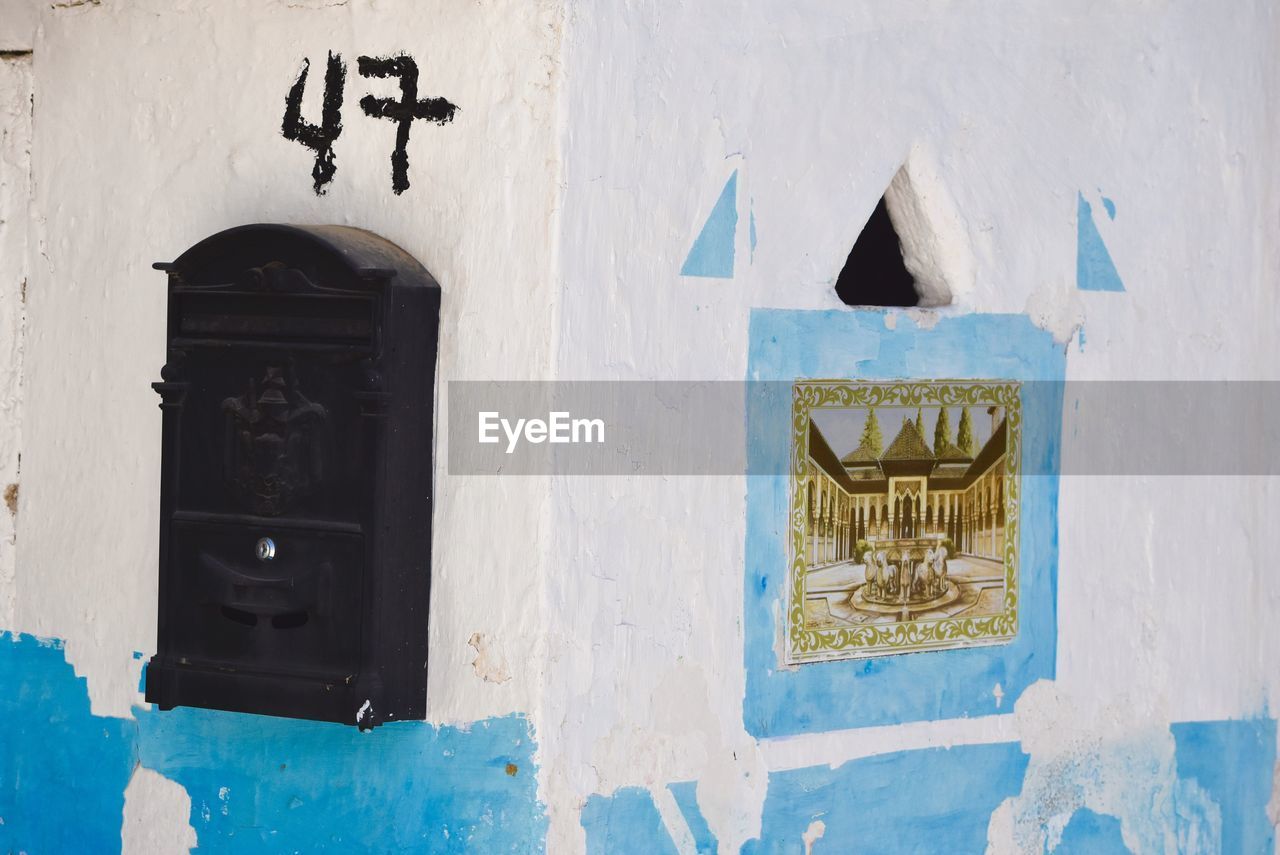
295 499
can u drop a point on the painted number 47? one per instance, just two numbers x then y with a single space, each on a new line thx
320 138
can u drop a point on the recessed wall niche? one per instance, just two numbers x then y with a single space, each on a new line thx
912 247
874 273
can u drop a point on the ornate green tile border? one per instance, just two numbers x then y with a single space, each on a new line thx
817 644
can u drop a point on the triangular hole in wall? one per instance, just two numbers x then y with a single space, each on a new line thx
874 274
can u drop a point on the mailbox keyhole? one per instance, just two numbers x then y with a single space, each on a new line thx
266 549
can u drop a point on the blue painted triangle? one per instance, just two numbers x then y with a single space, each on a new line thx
1095 271
712 251
752 231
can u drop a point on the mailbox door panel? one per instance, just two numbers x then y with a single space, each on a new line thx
274 433
296 491
298 611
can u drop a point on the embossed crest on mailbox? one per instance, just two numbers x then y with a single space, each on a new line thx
295 501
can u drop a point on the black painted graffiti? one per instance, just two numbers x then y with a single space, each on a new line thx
403 111
319 138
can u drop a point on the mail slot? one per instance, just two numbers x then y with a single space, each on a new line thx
295 495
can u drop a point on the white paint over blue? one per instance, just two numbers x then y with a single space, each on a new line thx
935 800
63 770
625 823
1095 271
1089 833
1204 784
1210 797
785 345
712 251
1233 762
256 783
686 795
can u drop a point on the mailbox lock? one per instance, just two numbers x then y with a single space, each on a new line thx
266 549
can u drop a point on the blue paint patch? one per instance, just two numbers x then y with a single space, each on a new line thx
1095 271
1089 833
1110 206
142 672
289 785
624 823
712 252
785 345
1081 345
907 802
686 794
63 769
258 784
1233 762
753 231
264 784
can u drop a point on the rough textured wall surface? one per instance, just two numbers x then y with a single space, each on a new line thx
662 191
156 125
179 136
1161 118
15 196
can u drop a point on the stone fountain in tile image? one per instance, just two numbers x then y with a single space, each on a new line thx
905 576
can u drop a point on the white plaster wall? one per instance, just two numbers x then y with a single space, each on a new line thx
158 123
18 20
1008 110
15 195
556 211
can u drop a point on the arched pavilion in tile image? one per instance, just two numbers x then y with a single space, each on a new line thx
914 530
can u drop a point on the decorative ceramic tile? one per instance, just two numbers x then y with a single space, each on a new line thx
909 544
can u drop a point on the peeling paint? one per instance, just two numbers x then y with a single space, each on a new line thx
489 665
815 832
686 796
625 822
902 802
1056 308
248 781
557 212
156 815
1092 833
1273 806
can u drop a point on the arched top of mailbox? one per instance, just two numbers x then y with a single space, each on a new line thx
324 253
